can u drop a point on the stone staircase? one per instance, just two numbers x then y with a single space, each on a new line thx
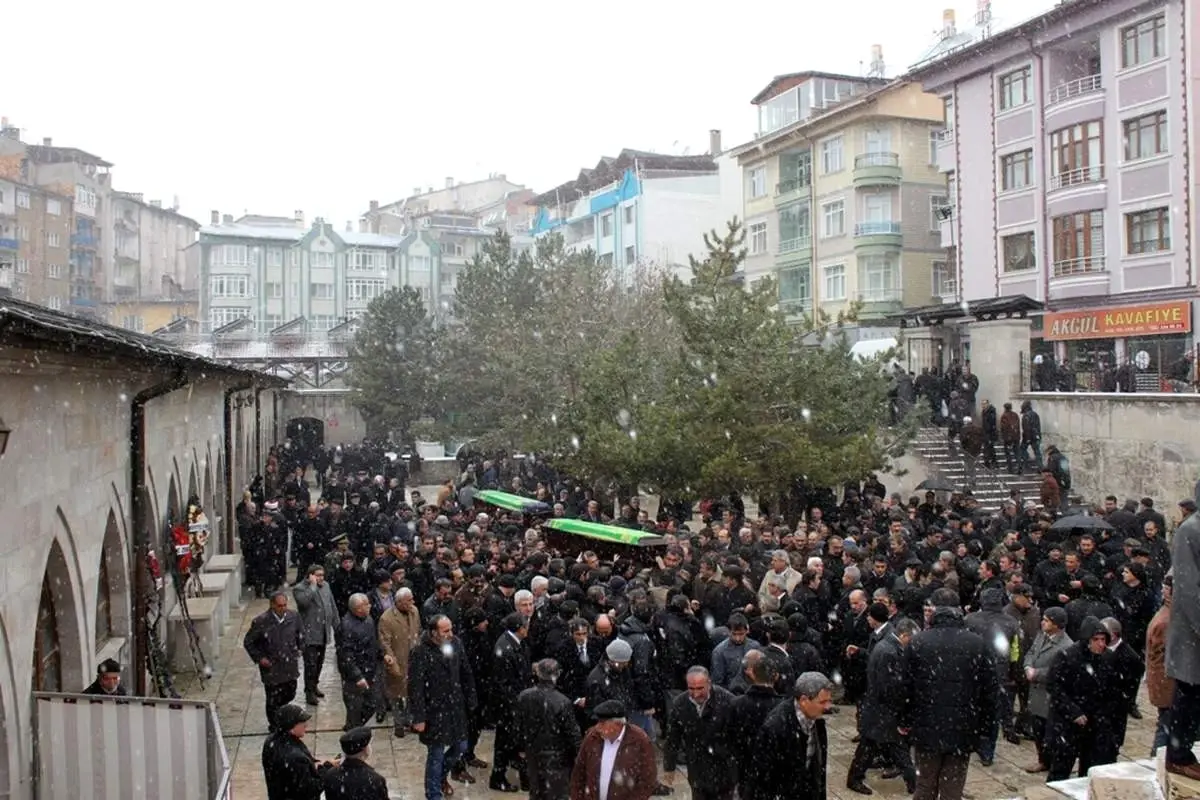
992 487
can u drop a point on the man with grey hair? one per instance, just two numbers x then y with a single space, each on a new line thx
547 734
698 724
358 659
793 745
782 575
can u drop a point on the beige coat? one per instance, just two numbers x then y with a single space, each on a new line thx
1160 688
399 632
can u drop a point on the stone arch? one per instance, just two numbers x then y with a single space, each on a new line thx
112 586
58 651
149 503
209 495
193 484
10 744
174 508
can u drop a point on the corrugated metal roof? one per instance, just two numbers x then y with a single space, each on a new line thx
24 324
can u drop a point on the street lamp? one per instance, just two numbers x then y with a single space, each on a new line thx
4 432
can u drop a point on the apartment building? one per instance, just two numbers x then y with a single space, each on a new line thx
1066 160
841 189
35 241
638 210
274 271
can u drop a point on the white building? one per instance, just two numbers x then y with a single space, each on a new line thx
639 209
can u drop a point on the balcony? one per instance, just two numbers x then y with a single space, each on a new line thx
948 230
791 189
795 306
1079 87
1077 177
877 169
1086 265
882 234
85 241
880 303
797 247
1074 101
9 244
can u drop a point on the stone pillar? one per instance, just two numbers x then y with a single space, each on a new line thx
996 348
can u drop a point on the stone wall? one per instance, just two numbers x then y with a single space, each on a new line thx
343 423
1130 445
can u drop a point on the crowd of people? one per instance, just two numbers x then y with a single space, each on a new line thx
941 628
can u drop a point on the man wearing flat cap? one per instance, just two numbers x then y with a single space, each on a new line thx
353 778
615 761
290 771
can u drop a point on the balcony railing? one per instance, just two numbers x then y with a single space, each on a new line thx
880 296
876 228
795 245
1075 88
876 160
1087 265
946 136
1076 177
84 240
792 185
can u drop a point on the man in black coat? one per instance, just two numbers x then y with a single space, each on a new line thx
750 711
108 680
274 642
358 659
577 657
1128 669
1082 704
793 746
441 691
290 771
698 724
547 734
353 778
509 677
879 720
950 700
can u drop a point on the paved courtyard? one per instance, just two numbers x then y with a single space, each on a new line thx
237 692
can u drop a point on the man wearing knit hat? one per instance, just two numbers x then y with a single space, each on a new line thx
353 778
610 679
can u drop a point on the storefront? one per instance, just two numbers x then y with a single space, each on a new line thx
1149 343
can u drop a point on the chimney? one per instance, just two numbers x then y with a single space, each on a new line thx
227 219
156 203
374 206
349 226
877 69
416 190
500 176
948 28
449 183
175 203
216 217
362 226
298 216
714 142
428 190
47 142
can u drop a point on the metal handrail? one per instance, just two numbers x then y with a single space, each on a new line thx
1085 265
794 245
876 228
876 160
792 185
1080 86
1075 177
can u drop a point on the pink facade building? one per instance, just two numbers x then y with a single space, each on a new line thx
1071 175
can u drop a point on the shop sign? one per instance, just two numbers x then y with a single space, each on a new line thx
1151 319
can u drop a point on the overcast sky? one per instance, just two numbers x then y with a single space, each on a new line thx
268 107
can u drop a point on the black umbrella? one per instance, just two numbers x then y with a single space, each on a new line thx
935 485
1081 522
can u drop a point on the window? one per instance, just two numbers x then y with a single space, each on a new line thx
794 288
274 257
324 260
948 114
323 322
47 657
54 302
945 283
1079 243
758 238
358 289
321 291
230 255
835 282
104 616
606 225
631 255
274 290
23 233
1145 136
23 199
1016 170
22 266
1147 231
293 289
605 259
628 215
295 257
418 263
53 240
879 278
54 271
833 219
1015 88
220 316
1018 252
937 204
271 321
877 140
758 182
53 206
1145 41
130 322
1076 155
231 286
452 248
935 139
831 155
